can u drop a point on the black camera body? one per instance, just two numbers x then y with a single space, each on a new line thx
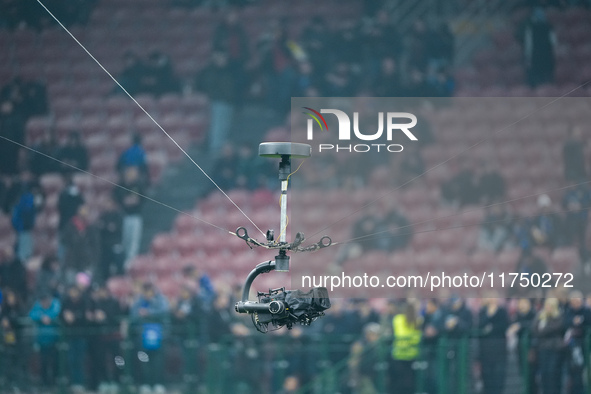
280 307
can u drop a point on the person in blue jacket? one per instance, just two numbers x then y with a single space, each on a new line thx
45 314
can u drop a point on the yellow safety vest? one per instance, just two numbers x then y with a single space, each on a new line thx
406 339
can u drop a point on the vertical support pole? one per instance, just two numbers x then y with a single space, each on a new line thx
283 223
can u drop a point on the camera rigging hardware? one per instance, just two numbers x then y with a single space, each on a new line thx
280 307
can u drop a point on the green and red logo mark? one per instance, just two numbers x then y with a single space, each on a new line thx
315 116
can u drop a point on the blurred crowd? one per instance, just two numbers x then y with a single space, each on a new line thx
404 345
22 14
548 336
370 57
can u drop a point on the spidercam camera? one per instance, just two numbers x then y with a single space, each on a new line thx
280 307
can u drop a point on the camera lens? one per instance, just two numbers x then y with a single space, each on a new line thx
276 307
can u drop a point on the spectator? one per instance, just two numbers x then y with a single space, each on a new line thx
366 225
231 39
157 76
315 41
130 76
70 199
493 322
110 226
134 156
387 316
291 385
12 361
49 277
12 127
69 202
363 313
184 311
24 214
433 326
339 328
76 317
306 84
419 42
461 189
45 314
106 314
218 82
576 203
396 232
573 155
496 229
245 163
521 328
131 204
205 293
406 348
13 274
224 170
577 321
530 264
149 313
545 225
82 245
41 164
457 326
539 43
364 361
73 154
186 316
547 333
276 52
490 184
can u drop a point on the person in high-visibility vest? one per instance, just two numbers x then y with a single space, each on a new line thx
405 349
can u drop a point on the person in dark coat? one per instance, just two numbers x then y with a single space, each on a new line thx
573 156
106 315
82 245
73 153
13 274
577 321
576 203
218 82
12 362
521 327
539 42
548 340
433 327
457 324
12 127
49 277
110 226
365 359
231 38
130 202
39 164
76 318
493 322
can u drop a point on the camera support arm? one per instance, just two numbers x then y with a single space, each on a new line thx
262 268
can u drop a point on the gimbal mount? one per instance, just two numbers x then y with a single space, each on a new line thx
278 306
